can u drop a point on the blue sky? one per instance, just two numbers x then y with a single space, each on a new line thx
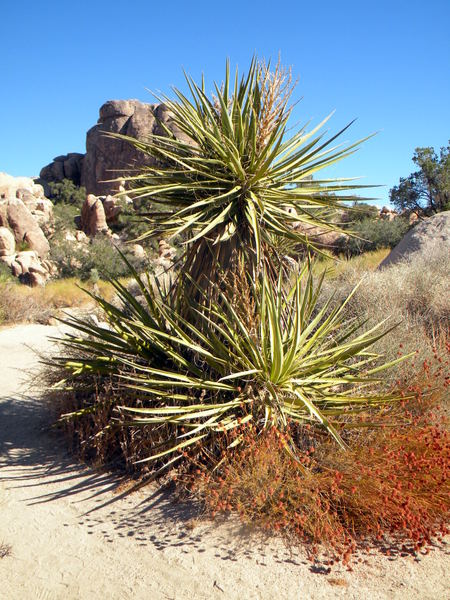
385 63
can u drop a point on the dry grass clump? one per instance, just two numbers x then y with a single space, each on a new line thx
413 294
20 303
417 289
368 261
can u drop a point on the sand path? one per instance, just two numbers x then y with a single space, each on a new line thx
143 545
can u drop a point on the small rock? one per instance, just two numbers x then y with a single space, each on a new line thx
8 260
93 218
138 251
112 208
26 259
36 279
69 237
16 269
80 236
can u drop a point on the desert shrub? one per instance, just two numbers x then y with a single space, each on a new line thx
66 192
336 267
64 216
68 292
5 274
99 256
389 489
130 225
180 375
361 212
373 234
67 199
416 288
412 293
19 303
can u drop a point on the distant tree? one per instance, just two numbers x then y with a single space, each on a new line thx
373 234
426 191
66 192
360 211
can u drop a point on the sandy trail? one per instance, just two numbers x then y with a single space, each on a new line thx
143 545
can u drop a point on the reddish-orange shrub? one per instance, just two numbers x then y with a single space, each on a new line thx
394 488
389 489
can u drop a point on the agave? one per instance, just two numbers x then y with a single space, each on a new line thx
283 360
234 179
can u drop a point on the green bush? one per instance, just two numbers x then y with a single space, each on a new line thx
99 258
131 225
374 234
64 216
360 212
66 192
5 274
68 200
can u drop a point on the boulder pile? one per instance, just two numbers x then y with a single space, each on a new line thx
26 216
388 214
68 166
27 224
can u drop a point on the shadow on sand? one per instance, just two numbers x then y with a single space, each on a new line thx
34 456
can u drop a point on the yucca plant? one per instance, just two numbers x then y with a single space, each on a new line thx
233 179
269 359
234 344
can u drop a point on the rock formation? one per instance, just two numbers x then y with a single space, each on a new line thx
387 214
68 166
24 215
431 231
97 213
107 158
7 242
25 227
319 236
26 212
93 218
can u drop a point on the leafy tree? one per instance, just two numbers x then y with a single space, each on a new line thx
426 191
372 234
360 212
